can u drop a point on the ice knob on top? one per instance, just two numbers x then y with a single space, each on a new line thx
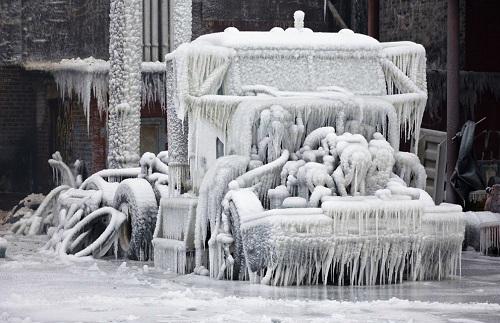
298 16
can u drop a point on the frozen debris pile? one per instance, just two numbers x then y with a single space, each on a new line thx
114 209
33 222
3 247
27 205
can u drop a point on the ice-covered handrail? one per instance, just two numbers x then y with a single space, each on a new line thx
199 70
410 58
403 83
211 193
324 92
404 65
410 108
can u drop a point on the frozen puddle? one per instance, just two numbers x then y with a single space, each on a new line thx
37 287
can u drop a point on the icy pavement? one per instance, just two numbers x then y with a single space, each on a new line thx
37 287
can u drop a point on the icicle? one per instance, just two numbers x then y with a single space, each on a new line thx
212 191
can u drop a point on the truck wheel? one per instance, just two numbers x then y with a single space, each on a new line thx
135 198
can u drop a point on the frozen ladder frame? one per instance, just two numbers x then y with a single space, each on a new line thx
432 155
173 239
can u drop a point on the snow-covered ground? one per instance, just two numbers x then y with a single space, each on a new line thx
36 287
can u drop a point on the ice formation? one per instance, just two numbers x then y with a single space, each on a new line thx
311 186
27 205
177 129
382 235
212 191
114 207
283 165
358 240
245 63
153 83
73 237
89 77
84 78
125 52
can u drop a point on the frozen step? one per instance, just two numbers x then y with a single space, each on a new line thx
431 154
431 172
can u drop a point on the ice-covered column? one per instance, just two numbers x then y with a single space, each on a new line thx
177 130
125 56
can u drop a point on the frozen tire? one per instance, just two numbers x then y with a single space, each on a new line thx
135 198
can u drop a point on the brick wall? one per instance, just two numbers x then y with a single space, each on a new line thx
17 121
42 173
425 22
70 133
98 137
215 15
73 139
421 21
33 30
10 31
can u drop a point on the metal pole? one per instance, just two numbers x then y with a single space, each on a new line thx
146 29
154 30
452 94
373 18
